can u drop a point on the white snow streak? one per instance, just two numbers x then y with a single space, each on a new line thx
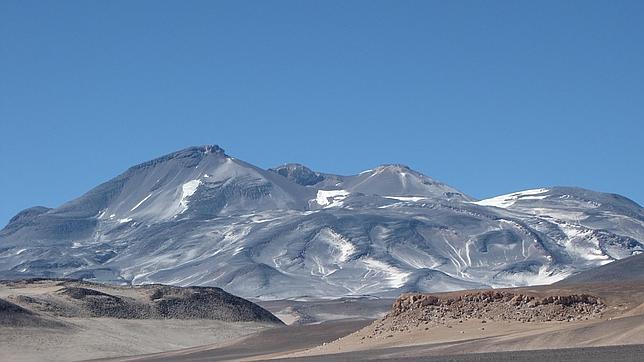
339 243
140 202
407 198
395 277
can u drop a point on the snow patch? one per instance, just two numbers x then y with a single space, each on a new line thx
259 219
394 277
505 201
127 219
581 241
544 276
343 246
187 190
407 198
331 198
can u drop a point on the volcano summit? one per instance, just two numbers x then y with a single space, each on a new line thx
201 217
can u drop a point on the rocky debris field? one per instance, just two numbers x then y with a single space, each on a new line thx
416 310
206 303
13 315
67 299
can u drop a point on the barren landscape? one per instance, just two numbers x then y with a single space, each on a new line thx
57 320
565 321
508 320
199 181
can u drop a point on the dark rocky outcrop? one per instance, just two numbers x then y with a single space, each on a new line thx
13 315
299 174
206 303
499 305
84 299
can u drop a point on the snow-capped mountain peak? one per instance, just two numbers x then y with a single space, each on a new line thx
200 217
400 180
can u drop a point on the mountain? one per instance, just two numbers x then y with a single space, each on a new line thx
201 217
624 270
385 180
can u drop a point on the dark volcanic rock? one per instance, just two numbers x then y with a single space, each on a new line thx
13 315
85 299
299 174
207 303
83 293
99 304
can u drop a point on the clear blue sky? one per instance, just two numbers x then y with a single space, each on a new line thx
488 96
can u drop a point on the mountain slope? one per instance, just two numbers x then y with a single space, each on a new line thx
201 217
627 269
400 180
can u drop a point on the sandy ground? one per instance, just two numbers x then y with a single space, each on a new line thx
316 311
475 337
620 331
102 337
81 337
262 345
325 342
622 324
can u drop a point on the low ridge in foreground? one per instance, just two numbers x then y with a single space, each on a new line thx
61 320
507 320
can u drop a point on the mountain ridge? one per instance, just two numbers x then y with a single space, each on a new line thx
201 217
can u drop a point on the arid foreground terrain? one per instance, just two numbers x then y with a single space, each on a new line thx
55 320
550 317
592 316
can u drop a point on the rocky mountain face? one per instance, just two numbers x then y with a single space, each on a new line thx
201 217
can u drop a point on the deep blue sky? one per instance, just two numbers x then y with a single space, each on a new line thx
488 96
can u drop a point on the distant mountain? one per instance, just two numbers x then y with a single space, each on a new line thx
201 217
627 269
